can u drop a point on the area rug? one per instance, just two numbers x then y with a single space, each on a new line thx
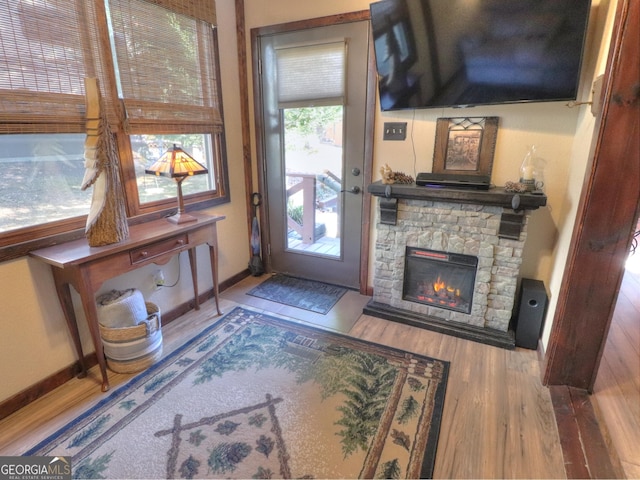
255 396
309 295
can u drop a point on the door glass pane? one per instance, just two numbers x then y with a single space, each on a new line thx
313 169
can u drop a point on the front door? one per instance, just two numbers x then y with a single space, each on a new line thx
313 86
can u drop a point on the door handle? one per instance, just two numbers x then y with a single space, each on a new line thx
355 190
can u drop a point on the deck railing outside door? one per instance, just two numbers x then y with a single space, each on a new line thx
308 185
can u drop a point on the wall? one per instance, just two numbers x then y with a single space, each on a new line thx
34 342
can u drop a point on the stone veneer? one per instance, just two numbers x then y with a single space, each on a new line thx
468 229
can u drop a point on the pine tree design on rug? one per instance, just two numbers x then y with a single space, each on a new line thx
255 396
226 455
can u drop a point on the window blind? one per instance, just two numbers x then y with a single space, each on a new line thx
204 10
45 54
165 65
311 75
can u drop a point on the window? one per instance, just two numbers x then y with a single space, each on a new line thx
148 148
41 177
156 62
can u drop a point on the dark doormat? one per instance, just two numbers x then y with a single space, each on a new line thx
309 295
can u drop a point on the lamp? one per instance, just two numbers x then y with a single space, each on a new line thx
177 164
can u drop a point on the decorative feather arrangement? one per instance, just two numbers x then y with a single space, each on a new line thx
107 219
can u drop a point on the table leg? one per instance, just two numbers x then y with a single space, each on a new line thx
194 276
213 256
91 312
64 296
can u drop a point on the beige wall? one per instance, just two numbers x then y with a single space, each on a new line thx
34 341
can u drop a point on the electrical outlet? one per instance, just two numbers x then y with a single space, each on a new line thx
395 131
158 279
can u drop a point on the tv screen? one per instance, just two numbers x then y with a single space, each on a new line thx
458 53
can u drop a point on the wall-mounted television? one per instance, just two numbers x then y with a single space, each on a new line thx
458 53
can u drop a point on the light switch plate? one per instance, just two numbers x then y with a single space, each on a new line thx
395 131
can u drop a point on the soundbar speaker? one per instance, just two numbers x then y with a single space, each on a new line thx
531 313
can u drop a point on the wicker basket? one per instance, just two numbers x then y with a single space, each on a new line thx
133 349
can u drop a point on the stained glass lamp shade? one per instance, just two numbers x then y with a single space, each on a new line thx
177 164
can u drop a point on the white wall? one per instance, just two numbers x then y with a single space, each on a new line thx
34 342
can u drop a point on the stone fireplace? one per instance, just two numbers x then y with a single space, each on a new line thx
449 260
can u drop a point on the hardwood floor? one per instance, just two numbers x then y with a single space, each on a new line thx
498 420
617 389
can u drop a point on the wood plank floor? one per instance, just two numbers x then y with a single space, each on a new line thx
498 419
616 393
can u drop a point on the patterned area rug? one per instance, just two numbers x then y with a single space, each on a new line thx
255 396
310 295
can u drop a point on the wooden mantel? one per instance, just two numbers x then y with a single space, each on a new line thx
511 222
494 196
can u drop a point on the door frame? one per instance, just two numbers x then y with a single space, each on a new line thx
367 172
606 219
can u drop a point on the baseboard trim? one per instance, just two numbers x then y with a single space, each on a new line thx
50 383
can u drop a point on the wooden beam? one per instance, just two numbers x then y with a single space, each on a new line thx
584 447
606 218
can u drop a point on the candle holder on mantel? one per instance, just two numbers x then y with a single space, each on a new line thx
528 169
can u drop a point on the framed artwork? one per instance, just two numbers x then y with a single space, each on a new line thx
465 145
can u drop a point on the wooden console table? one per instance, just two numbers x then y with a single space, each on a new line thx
86 268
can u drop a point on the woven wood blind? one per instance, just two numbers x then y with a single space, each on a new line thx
166 67
204 10
45 54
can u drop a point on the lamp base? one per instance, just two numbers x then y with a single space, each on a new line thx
180 218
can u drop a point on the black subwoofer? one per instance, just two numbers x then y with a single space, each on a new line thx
531 313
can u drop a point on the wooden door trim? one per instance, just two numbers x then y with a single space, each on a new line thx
257 32
241 45
606 218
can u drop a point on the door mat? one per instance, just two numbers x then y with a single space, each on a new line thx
256 396
309 295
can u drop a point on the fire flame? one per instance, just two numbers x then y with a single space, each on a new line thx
440 285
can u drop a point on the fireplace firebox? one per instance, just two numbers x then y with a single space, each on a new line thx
440 279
